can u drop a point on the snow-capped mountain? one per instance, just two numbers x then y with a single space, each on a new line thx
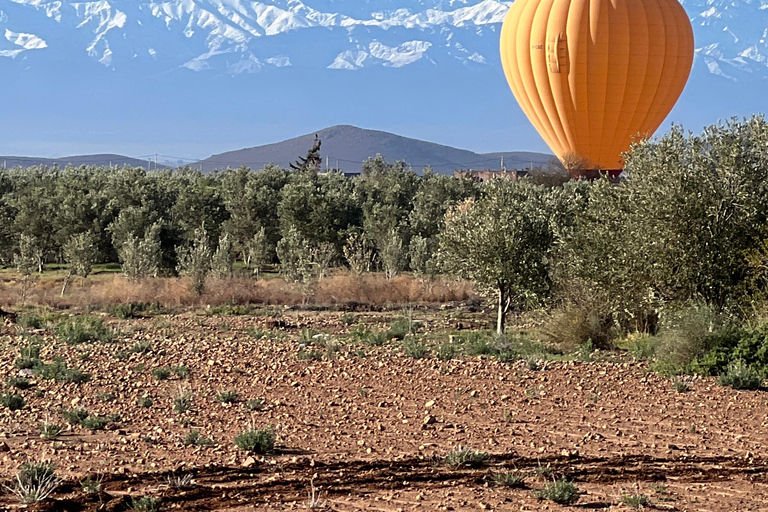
244 36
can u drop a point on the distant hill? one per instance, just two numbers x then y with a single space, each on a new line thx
101 160
346 147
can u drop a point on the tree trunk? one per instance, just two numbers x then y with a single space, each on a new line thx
66 283
502 316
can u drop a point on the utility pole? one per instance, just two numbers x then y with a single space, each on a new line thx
502 163
155 161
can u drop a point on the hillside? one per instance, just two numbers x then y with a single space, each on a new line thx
347 147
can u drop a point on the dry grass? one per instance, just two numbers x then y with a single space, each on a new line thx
341 288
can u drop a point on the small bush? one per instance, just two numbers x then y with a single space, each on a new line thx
415 348
50 430
446 351
181 372
575 324
83 329
140 347
34 482
256 441
19 383
466 457
30 321
194 438
635 501
129 310
183 402
92 485
12 401
144 402
510 480
561 491
400 328
681 386
161 373
60 372
145 504
348 318
29 357
228 397
95 423
740 375
74 416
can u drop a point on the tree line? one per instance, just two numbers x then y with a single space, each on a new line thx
687 226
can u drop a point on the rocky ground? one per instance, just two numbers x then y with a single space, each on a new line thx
369 427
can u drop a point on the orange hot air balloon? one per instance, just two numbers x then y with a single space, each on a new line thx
591 75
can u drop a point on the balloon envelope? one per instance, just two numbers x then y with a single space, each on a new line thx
592 75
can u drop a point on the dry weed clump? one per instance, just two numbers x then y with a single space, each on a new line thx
340 288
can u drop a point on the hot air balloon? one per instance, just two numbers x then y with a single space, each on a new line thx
592 75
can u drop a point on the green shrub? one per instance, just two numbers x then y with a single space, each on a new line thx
446 351
60 372
140 347
561 491
635 501
95 423
91 485
30 321
256 441
74 416
400 328
50 430
36 472
309 355
510 480
34 483
681 386
181 372
161 373
348 318
145 504
29 357
144 402
228 397
467 457
256 404
135 310
19 383
12 401
183 402
236 310
83 329
415 348
740 375
193 438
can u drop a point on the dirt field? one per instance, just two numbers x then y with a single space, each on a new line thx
369 426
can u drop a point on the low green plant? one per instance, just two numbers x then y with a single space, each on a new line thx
194 438
29 357
92 485
260 441
415 348
228 397
12 401
636 501
465 457
183 402
140 347
348 318
105 397
34 482
400 328
511 480
50 430
543 471
145 402
145 504
181 372
446 351
130 310
19 383
161 373
585 350
681 385
560 491
740 375
59 371
257 404
74 416
95 422
83 329
30 321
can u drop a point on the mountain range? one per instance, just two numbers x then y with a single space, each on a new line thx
195 77
344 148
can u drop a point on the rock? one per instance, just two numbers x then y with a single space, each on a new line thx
429 404
4 447
247 463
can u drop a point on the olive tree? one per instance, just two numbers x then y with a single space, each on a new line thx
80 252
501 242
195 260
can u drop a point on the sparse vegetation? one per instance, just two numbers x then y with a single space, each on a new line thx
12 401
50 430
228 397
510 480
560 491
194 438
635 500
256 441
161 373
467 457
145 504
740 375
34 482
